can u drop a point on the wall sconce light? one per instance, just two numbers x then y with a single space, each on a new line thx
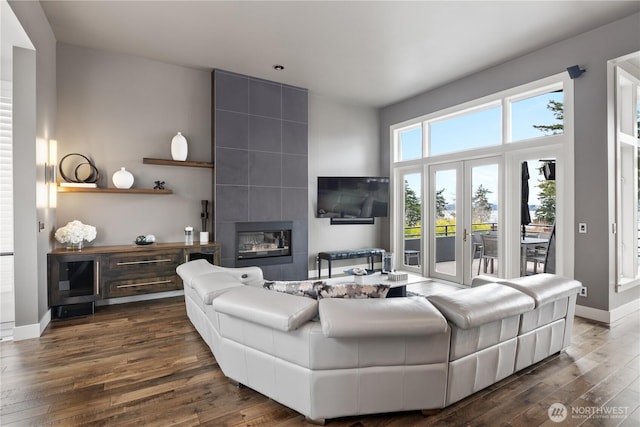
50 173
50 167
575 71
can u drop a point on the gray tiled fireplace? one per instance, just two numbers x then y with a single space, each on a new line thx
261 170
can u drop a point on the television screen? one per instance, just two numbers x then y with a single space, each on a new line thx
353 197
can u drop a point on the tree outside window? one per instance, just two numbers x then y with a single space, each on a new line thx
546 210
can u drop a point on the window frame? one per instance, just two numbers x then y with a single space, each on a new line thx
461 113
508 111
625 260
561 145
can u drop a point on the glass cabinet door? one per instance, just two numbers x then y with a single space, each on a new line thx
73 279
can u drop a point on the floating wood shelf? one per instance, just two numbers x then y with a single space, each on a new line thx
168 162
113 190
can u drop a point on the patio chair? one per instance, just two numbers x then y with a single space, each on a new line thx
489 251
476 240
538 255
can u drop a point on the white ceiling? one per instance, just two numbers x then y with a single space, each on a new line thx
365 52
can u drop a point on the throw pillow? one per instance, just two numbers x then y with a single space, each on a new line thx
350 290
307 288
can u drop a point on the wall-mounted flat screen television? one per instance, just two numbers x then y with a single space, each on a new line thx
353 197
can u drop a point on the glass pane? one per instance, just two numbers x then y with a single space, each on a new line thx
7 296
626 113
484 220
537 116
445 221
628 185
628 251
412 220
7 306
537 247
481 128
410 141
76 278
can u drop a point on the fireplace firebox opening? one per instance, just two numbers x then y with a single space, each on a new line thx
263 243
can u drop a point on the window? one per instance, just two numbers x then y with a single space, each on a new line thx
537 115
412 250
484 142
475 129
410 143
7 314
627 177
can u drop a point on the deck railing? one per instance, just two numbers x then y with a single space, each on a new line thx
450 229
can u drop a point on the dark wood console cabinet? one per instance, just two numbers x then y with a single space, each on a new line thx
102 272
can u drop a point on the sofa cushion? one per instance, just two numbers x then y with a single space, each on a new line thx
352 290
306 288
342 318
208 286
273 309
544 288
472 307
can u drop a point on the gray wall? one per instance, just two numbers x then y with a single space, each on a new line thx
117 109
261 148
590 50
343 141
36 117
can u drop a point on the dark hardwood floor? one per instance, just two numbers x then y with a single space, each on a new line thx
144 364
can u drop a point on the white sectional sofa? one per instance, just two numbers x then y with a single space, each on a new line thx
338 357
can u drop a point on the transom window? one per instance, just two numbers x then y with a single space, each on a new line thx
533 114
410 143
471 129
537 115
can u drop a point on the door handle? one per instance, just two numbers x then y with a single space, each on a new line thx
465 234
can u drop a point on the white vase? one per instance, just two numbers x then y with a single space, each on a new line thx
179 147
122 179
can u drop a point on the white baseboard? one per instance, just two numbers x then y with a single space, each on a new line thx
607 317
32 331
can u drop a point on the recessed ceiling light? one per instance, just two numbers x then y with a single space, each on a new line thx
278 67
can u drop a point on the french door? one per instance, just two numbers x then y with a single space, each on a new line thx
464 219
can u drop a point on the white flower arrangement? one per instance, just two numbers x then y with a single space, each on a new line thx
75 232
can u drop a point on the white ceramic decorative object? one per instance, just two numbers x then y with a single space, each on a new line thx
122 179
179 147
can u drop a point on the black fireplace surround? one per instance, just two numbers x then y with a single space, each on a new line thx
263 243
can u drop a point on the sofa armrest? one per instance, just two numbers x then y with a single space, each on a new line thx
473 307
544 288
343 318
251 276
210 285
483 280
188 271
192 269
273 309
